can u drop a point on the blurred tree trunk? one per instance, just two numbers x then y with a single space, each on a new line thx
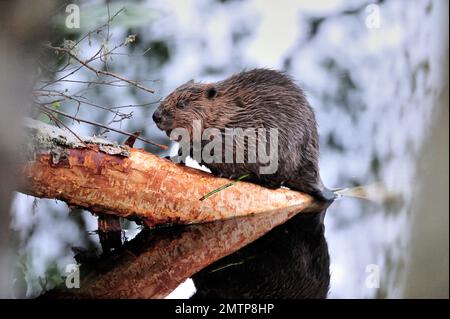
104 177
22 24
427 272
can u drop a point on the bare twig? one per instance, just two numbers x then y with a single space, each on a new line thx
48 93
97 71
80 100
49 109
58 122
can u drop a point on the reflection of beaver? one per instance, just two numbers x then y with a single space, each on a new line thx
290 261
254 99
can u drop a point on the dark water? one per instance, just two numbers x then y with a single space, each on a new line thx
291 261
381 98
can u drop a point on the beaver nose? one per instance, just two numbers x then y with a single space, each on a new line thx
157 116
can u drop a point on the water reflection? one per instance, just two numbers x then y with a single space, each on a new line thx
376 93
156 261
291 261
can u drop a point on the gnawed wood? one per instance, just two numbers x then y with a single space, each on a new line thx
104 177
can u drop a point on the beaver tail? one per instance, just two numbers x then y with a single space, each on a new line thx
324 194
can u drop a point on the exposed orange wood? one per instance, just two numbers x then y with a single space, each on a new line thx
146 186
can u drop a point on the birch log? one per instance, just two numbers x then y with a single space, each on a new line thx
104 177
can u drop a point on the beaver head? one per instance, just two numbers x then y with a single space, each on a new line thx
189 102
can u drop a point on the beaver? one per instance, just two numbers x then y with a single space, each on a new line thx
258 98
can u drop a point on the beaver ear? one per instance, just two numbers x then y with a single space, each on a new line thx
211 92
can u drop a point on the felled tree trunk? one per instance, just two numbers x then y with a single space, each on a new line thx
104 177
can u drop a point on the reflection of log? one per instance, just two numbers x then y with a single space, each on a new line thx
106 178
157 261
289 262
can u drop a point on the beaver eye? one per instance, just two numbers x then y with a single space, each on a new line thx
181 104
211 93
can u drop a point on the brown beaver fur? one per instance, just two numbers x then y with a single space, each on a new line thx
259 98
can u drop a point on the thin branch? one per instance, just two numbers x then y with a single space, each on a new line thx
91 83
42 106
82 100
135 105
58 121
86 64
100 28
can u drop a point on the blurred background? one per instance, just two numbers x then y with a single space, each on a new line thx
376 74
